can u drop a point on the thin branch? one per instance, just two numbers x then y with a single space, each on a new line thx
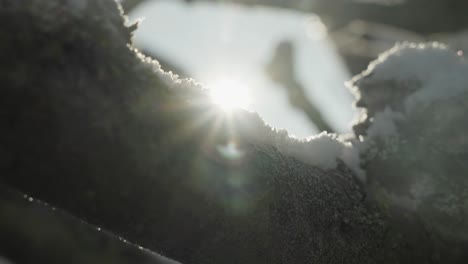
281 70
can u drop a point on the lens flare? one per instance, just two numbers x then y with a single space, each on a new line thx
230 151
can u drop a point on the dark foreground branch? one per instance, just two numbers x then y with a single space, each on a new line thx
34 232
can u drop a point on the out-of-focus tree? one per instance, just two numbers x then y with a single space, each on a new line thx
281 69
362 29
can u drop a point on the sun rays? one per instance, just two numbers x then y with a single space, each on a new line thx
230 94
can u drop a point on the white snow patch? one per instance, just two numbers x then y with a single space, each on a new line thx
188 88
170 79
383 124
431 71
322 150
441 72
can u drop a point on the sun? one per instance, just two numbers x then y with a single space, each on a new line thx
230 94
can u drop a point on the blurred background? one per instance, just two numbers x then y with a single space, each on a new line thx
288 60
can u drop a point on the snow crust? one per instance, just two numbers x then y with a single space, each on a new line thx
430 71
398 87
322 150
170 79
383 125
415 139
440 72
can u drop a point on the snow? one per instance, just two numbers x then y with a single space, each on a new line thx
162 259
405 79
188 88
322 150
383 124
217 42
440 72
412 93
401 82
435 72
429 71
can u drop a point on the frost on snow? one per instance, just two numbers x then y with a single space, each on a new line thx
383 124
422 73
323 150
414 99
401 82
414 141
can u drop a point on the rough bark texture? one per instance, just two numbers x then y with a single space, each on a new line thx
88 127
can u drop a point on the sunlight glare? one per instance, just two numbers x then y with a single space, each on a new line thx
230 94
